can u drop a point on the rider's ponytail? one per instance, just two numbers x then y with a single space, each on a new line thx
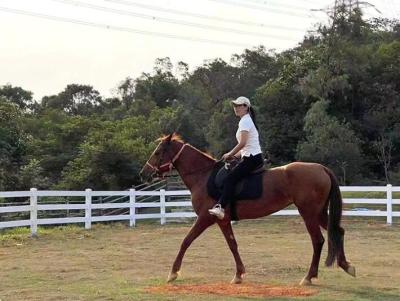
253 116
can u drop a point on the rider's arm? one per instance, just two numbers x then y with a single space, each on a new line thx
244 136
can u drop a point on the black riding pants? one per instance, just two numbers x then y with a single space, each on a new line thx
242 170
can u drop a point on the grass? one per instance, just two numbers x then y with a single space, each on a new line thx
115 262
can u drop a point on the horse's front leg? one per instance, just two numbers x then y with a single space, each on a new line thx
202 223
226 229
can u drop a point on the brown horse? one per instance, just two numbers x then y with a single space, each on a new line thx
310 186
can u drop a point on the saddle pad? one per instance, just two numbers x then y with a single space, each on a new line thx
247 189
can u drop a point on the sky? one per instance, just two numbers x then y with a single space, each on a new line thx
47 44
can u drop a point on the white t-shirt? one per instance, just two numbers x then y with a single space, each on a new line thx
252 146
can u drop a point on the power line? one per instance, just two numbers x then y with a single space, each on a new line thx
118 28
167 20
312 2
201 16
258 7
393 10
270 3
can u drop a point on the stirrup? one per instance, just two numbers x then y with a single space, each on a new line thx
217 211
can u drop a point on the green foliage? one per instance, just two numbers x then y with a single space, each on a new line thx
222 130
33 175
161 87
254 68
113 153
281 120
330 142
197 107
74 100
126 91
17 95
12 145
54 140
333 99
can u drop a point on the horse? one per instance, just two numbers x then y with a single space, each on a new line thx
312 187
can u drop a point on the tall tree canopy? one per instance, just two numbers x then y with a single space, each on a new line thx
333 99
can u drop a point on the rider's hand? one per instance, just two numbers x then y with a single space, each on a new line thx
226 156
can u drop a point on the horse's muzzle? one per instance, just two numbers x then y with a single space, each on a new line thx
146 175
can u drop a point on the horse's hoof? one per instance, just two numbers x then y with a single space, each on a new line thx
305 282
172 276
351 271
237 279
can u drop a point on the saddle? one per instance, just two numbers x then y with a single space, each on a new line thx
249 188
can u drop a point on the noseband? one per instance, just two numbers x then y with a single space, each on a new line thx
166 167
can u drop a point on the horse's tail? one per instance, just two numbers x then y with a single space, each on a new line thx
335 232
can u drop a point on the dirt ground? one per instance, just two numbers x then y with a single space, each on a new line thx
233 290
115 262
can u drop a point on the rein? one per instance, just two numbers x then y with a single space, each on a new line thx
168 164
171 164
197 171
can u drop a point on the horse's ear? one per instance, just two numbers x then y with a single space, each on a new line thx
169 138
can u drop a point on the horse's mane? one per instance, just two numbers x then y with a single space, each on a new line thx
204 153
175 137
178 138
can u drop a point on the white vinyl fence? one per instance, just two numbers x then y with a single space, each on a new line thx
386 203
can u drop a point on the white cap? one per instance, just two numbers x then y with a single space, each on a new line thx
241 100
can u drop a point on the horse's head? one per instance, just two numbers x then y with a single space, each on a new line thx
163 157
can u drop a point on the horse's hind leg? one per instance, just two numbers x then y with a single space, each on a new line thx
312 224
341 258
202 223
226 229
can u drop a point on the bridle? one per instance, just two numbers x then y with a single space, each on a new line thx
167 167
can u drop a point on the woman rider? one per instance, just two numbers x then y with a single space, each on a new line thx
248 148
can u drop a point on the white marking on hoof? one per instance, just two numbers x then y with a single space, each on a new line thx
351 271
305 282
237 279
172 276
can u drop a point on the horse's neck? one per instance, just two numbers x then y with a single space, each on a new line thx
193 166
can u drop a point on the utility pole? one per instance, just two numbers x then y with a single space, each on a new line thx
341 12
345 8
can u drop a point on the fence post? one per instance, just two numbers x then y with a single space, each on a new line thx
88 208
162 206
33 203
132 208
389 203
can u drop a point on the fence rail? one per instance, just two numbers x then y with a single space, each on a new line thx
88 206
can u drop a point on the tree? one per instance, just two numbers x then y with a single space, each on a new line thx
221 130
33 175
330 142
55 139
218 78
255 67
334 97
387 63
12 145
114 152
197 108
385 134
202 92
74 100
281 120
160 87
17 95
126 90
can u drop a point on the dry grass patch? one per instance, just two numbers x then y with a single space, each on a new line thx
115 262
